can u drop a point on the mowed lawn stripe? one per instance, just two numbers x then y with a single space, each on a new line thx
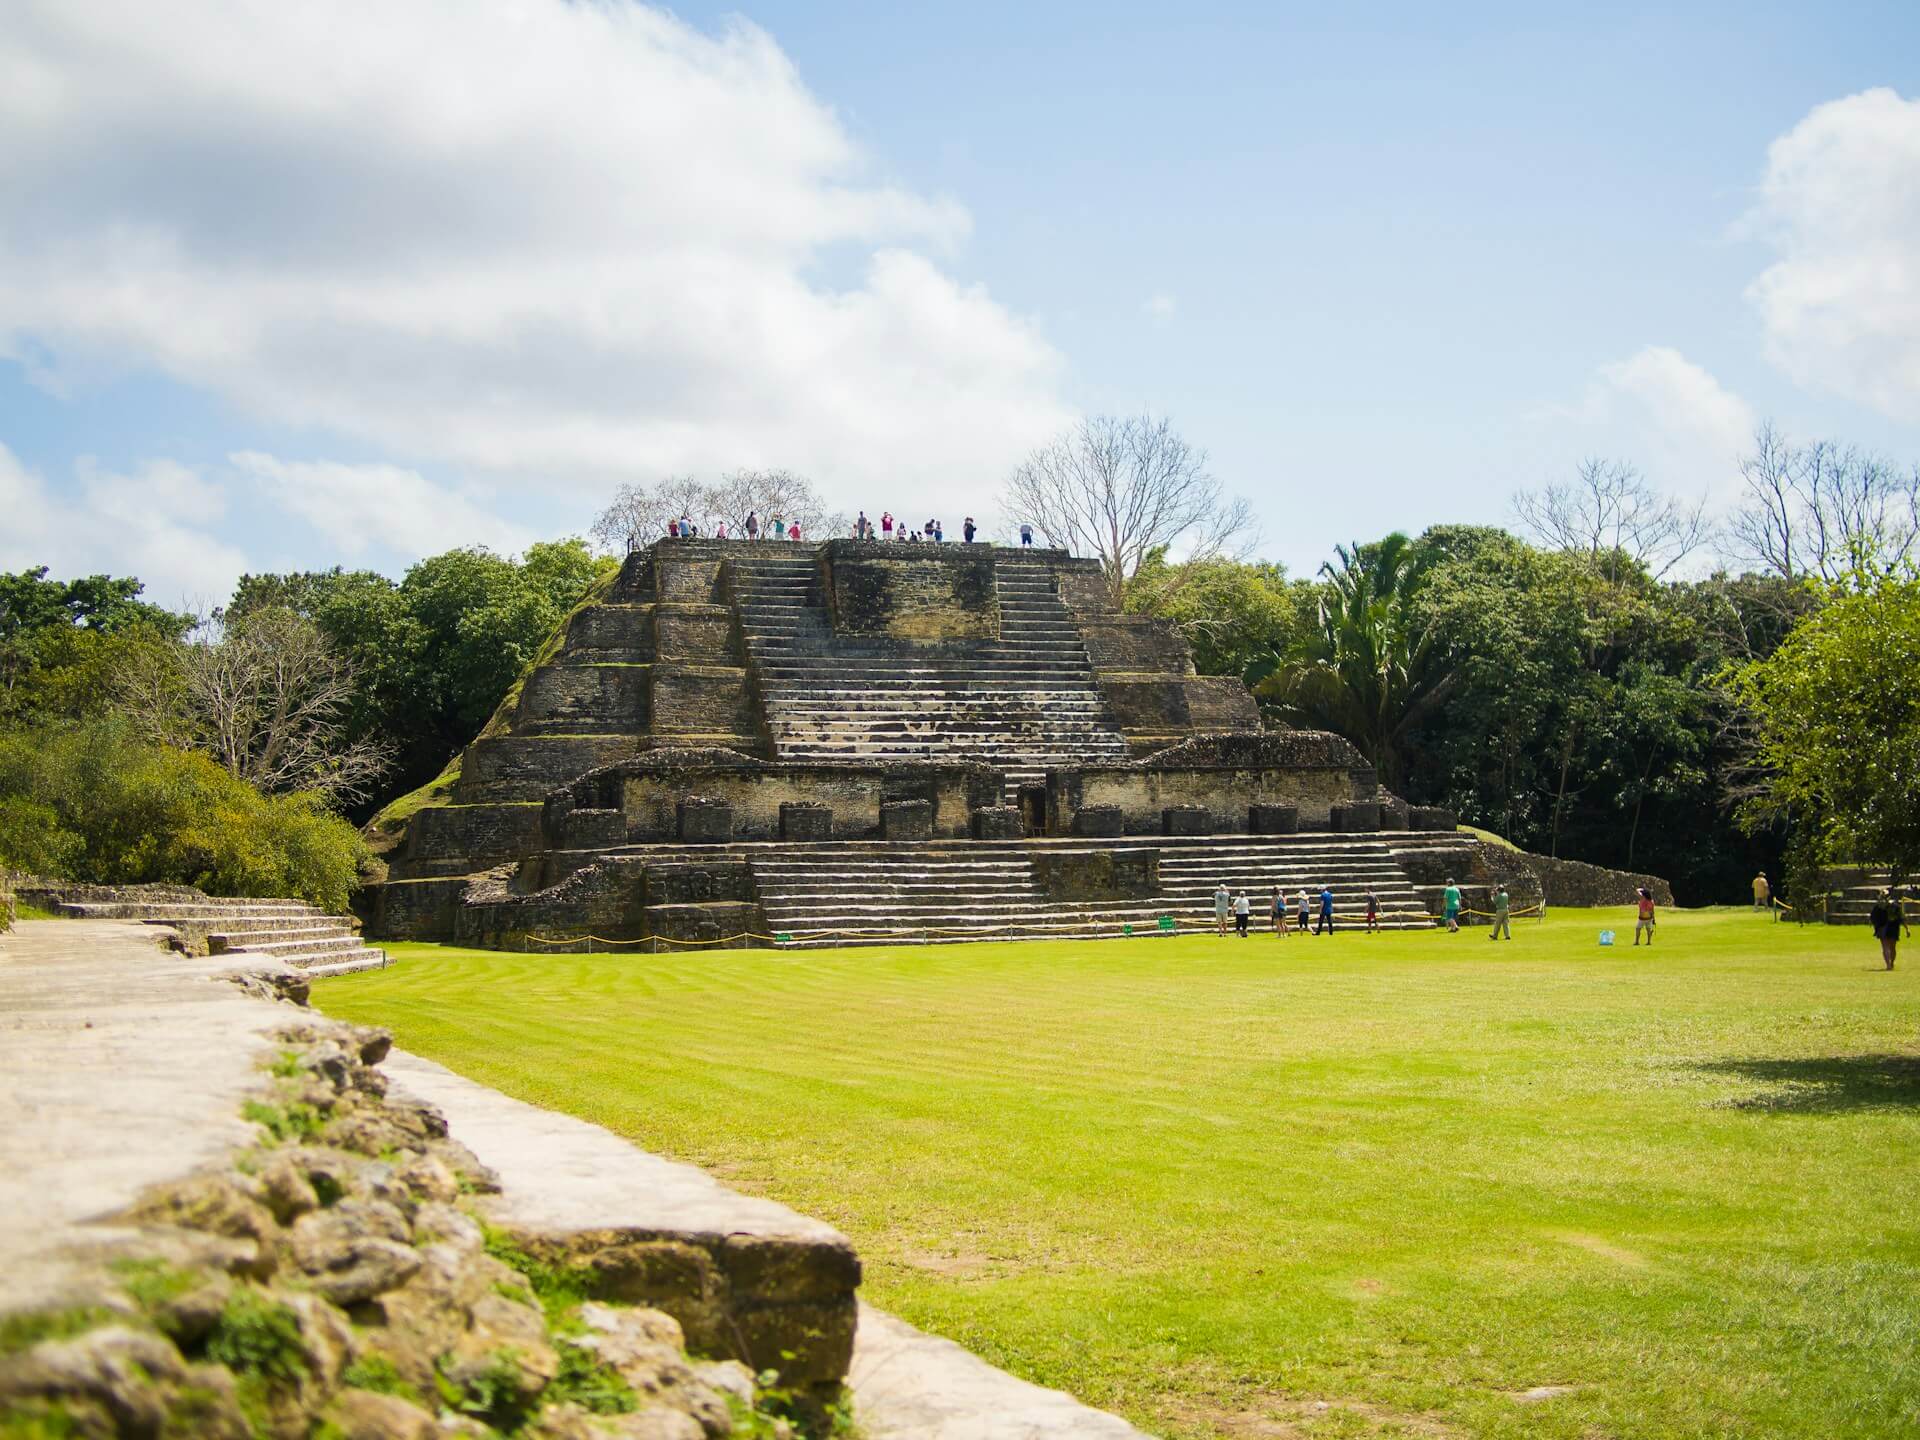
1206 1182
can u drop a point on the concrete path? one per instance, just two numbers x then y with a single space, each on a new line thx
559 1173
121 1065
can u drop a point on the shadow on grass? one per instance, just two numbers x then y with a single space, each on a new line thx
1826 1084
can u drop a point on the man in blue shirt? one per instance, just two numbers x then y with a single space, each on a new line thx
1326 910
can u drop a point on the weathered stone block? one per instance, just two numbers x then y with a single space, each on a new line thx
1184 820
1393 813
996 822
699 634
906 820
1098 874
928 595
803 820
594 829
678 883
1431 817
1099 821
1273 819
704 821
1355 817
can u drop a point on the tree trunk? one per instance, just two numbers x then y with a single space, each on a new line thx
1560 796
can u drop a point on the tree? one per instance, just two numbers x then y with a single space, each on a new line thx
1838 707
639 513
1611 515
268 697
1231 612
1825 511
39 617
1122 489
1372 667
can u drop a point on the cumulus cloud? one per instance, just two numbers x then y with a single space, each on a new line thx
1660 412
362 507
1841 202
150 523
572 242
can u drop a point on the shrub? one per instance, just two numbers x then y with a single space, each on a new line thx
96 803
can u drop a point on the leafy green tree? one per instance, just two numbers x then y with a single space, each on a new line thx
56 624
1371 667
1231 612
1838 708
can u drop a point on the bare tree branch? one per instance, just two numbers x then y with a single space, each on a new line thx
267 698
1120 489
1822 509
1611 514
639 514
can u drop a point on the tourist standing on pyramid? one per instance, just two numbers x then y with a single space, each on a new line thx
968 530
861 526
886 524
1026 533
753 526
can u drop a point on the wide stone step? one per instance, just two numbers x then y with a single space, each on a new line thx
160 911
365 960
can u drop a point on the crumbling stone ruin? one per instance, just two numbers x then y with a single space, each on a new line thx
862 742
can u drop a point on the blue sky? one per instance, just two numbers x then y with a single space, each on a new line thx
290 292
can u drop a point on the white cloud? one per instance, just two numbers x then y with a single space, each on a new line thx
1660 412
570 243
1841 202
359 507
145 524
1160 307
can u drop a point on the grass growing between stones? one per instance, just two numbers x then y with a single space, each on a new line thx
1408 1184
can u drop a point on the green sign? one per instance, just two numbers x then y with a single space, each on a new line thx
783 938
1126 929
1166 922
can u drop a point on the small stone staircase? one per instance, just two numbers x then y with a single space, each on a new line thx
1853 904
290 931
1024 703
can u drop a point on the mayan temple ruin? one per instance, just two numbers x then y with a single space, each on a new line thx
859 741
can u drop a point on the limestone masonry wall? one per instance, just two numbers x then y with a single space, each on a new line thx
938 593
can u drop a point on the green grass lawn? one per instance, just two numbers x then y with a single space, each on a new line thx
1351 1186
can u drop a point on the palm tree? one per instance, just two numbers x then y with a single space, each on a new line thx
1371 669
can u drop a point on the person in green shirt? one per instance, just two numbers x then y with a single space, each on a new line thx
1451 905
1501 920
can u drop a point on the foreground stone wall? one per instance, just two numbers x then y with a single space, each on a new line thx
341 1278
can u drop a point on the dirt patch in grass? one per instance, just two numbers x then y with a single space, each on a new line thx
1266 1416
956 1265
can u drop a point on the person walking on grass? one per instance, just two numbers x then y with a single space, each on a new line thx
1762 891
1326 910
1373 911
1889 919
1502 916
1279 912
1644 921
1450 906
1242 913
1222 902
1303 911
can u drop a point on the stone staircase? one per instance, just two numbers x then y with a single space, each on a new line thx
290 931
865 892
1025 703
1852 904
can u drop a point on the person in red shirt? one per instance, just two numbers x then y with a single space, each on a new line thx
1645 922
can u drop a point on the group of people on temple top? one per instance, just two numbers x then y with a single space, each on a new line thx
778 528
